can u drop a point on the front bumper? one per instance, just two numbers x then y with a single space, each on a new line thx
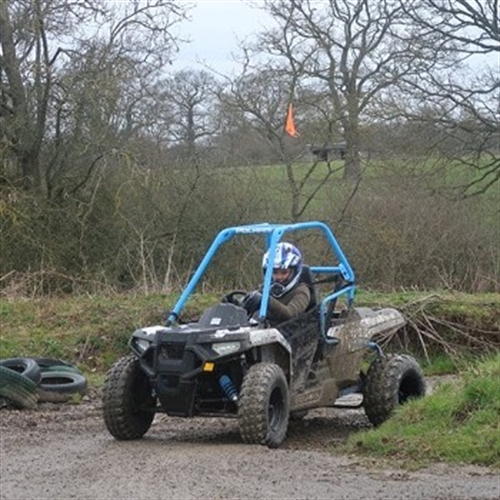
176 363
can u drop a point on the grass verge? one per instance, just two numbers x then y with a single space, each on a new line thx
458 423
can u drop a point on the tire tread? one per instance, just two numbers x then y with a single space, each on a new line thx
121 416
18 389
382 386
252 411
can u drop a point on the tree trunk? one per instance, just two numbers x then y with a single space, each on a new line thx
20 129
352 165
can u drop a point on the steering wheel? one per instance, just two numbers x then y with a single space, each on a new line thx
235 297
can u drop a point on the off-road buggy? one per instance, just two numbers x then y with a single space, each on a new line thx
227 364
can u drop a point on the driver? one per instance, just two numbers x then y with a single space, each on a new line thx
289 296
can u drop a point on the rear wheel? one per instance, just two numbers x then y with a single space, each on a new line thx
264 404
128 403
391 381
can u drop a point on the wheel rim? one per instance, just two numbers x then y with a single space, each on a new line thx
276 408
410 387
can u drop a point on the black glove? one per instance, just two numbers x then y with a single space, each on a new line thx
277 290
252 301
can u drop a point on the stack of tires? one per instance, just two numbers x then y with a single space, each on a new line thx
26 381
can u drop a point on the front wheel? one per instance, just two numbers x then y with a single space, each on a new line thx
264 405
127 402
391 381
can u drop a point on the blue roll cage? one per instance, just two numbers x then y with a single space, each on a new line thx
273 234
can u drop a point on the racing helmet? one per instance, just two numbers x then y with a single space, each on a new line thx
287 256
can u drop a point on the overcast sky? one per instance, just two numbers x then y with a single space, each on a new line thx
215 28
217 25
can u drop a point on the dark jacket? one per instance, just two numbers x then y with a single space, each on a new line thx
289 305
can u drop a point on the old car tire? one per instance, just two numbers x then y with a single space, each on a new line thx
63 382
17 389
127 400
25 366
62 368
391 381
264 404
55 364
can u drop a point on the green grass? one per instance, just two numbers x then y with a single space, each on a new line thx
89 331
440 365
458 423
94 331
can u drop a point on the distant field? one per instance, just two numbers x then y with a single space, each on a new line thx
430 175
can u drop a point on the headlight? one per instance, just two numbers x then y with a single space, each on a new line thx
225 348
142 344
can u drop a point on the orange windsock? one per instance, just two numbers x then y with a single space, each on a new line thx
290 122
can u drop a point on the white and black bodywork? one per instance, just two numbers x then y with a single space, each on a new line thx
227 364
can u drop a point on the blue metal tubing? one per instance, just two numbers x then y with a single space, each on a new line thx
349 291
220 239
375 347
273 233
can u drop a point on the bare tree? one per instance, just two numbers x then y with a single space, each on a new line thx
262 114
347 49
40 39
466 96
473 24
189 106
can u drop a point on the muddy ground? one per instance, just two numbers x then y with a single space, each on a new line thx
63 451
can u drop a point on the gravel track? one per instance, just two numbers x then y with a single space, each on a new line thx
63 451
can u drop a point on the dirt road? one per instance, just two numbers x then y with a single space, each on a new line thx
64 452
